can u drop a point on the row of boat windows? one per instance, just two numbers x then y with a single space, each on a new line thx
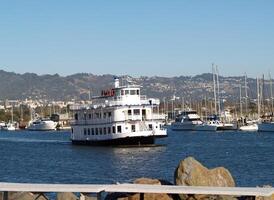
111 130
94 115
130 92
107 114
105 130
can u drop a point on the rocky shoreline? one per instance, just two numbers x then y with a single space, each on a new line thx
189 172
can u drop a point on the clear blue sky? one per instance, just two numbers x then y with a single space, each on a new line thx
143 37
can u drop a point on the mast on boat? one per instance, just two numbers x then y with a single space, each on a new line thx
258 97
214 88
241 107
271 93
246 102
218 91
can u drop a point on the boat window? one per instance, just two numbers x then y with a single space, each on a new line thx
71 130
113 129
96 131
138 92
122 92
132 92
88 131
119 129
109 114
105 130
109 130
136 111
92 131
150 126
89 116
105 115
76 116
101 131
85 131
126 92
129 112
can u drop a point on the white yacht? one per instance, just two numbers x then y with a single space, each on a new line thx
120 116
190 121
42 125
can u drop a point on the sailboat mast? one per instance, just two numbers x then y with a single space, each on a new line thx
218 90
12 114
271 93
241 107
214 88
258 97
246 102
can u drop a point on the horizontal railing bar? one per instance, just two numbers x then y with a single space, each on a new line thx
136 188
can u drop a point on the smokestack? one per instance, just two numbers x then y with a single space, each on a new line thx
116 82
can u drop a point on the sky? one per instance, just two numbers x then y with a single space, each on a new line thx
138 38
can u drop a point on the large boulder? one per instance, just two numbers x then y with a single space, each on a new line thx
146 196
192 173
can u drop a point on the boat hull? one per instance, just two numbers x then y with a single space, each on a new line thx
118 141
205 128
252 127
227 127
266 127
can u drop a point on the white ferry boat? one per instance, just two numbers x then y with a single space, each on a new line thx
120 116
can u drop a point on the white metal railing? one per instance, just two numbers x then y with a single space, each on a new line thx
133 188
93 121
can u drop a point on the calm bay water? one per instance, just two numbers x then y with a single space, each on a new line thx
49 157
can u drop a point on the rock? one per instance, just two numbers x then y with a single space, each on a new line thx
192 173
23 196
87 197
66 196
147 196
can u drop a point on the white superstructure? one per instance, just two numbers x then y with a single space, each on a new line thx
119 116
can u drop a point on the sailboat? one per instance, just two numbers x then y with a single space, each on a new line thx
267 123
10 126
250 126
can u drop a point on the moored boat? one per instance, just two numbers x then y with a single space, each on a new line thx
42 125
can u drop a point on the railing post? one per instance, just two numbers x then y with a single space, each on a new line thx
5 196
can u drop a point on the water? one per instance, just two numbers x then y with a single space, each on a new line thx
49 157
